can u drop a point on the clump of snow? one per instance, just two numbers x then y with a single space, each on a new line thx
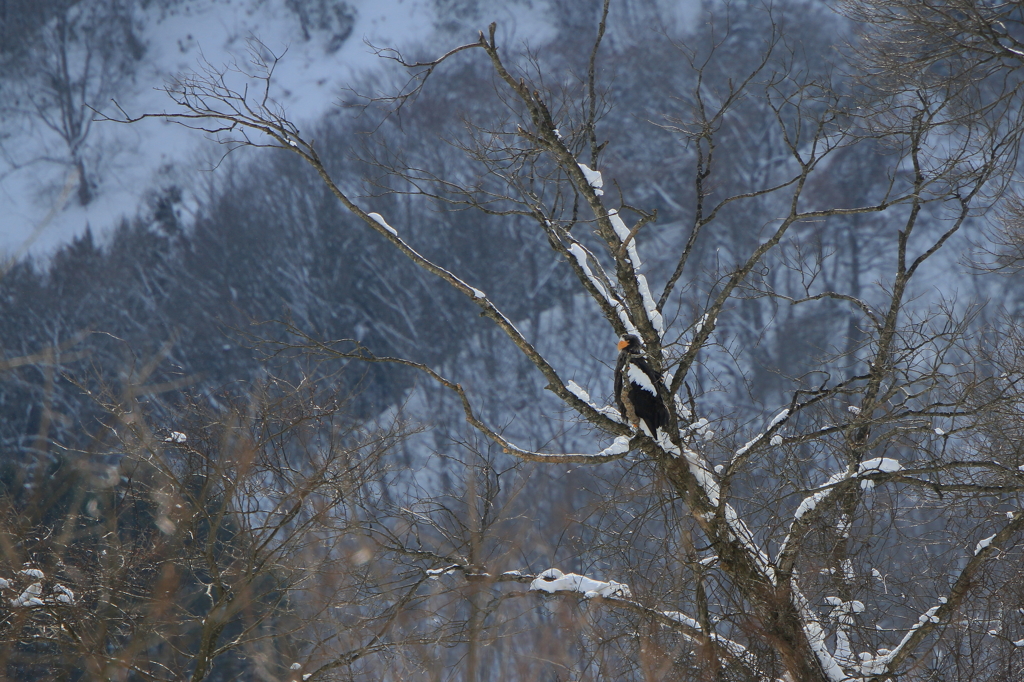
879 465
653 314
776 440
816 638
553 580
296 666
983 544
30 597
377 218
939 432
666 444
681 407
853 409
32 573
680 617
176 437
619 446
698 425
776 420
63 595
871 665
593 177
477 293
4 584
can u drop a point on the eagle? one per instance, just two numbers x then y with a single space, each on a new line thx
637 386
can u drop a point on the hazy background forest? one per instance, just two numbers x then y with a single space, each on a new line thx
168 361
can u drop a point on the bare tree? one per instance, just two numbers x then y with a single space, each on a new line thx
85 53
865 525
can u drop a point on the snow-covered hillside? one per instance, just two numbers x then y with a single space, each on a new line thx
327 45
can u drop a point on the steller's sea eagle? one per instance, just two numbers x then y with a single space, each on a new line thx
637 388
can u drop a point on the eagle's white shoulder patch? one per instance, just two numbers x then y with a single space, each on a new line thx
638 377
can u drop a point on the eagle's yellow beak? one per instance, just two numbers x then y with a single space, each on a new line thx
622 344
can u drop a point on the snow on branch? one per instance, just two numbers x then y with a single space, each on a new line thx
438 572
884 661
626 238
692 630
871 467
580 254
878 465
699 469
619 448
777 421
383 223
843 615
815 634
553 580
739 531
593 177
983 544
581 393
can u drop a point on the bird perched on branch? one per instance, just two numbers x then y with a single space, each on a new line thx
638 391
